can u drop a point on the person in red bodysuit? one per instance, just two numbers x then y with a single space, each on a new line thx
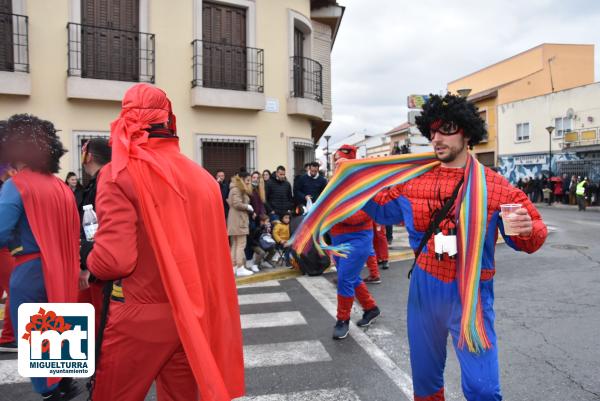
161 231
357 231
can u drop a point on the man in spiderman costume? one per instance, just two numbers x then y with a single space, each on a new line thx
434 305
356 231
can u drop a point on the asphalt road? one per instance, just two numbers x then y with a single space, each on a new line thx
547 321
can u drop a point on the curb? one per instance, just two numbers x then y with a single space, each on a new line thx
285 273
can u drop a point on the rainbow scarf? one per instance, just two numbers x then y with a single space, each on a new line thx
357 181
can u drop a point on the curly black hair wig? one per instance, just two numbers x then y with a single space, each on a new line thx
27 139
452 108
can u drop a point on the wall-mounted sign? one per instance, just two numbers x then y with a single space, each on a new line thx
530 159
416 101
272 105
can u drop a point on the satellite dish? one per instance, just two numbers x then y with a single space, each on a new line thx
570 113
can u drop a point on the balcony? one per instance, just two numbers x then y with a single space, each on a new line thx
584 137
306 84
103 62
227 76
14 55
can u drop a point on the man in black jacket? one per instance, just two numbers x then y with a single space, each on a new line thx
309 185
279 195
95 154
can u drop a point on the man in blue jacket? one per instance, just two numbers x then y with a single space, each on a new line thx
309 185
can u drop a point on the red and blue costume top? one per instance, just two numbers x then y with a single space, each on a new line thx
414 202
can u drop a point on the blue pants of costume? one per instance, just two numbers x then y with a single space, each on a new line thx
27 286
434 310
349 268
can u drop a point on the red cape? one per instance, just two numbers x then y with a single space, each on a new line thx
182 211
52 214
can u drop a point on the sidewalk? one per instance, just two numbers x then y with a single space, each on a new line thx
399 251
541 205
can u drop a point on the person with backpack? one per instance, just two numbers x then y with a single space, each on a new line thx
263 243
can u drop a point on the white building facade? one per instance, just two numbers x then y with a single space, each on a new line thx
524 144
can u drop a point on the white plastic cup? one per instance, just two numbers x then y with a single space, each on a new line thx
508 210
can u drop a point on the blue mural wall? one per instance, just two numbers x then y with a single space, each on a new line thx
513 172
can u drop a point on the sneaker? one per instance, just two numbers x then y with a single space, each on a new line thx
55 395
267 265
254 268
369 317
9 347
383 264
69 388
242 272
372 280
341 329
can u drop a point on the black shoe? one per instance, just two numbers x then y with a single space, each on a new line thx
369 317
383 264
341 329
69 388
55 395
9 347
372 280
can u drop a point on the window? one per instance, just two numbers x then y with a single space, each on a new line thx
228 154
562 125
522 132
303 153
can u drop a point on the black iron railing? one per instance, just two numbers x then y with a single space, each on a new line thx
108 53
223 66
14 46
307 78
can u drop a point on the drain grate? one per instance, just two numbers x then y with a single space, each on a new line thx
569 247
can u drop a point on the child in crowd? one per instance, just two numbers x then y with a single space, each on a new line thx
263 243
281 234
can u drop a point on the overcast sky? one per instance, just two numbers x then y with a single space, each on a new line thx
388 49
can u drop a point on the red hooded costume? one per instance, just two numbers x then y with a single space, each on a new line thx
161 230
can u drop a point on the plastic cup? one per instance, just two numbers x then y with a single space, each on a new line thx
508 210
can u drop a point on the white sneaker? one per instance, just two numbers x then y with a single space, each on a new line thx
254 268
242 272
266 264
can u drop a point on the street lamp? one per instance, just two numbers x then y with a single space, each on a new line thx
327 137
550 129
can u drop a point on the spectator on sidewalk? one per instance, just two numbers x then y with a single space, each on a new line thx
279 195
566 182
224 186
266 176
309 185
238 221
257 201
580 193
281 235
73 182
263 243
572 190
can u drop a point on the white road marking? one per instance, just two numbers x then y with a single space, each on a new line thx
336 394
290 353
266 298
276 319
261 284
324 293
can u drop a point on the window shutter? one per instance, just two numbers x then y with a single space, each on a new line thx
6 37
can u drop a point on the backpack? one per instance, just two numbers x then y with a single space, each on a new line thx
312 263
266 241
